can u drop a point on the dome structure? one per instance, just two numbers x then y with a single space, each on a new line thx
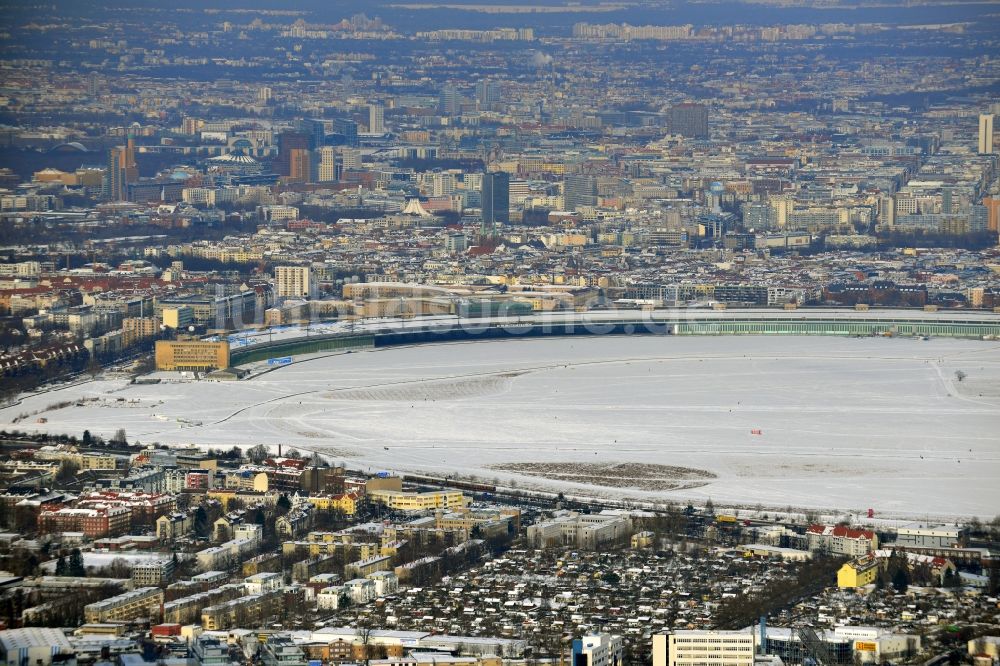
234 158
234 162
69 147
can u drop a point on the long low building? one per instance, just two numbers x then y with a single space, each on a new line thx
245 611
414 640
221 556
401 500
845 645
187 610
368 566
786 554
138 604
676 321
927 536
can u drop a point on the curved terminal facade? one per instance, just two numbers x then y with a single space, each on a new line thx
383 333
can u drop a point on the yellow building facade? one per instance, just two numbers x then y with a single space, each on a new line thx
404 501
858 573
192 355
346 503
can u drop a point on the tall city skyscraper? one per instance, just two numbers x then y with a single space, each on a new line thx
782 207
441 184
347 129
985 133
327 169
756 216
316 130
947 201
689 120
191 125
598 650
120 171
886 211
992 206
449 101
131 169
114 174
488 93
579 191
300 165
292 281
496 198
376 118
93 84
287 142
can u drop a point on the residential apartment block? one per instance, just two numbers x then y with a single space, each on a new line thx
140 603
841 540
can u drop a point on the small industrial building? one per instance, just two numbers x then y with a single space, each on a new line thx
32 645
928 536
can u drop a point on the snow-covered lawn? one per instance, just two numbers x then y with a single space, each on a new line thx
844 423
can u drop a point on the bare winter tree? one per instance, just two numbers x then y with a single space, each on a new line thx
363 626
258 453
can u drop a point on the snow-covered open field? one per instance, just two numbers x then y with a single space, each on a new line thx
844 423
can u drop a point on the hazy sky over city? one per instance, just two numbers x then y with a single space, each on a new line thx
447 14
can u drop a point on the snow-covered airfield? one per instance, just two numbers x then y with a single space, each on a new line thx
843 423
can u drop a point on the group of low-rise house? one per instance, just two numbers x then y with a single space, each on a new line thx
247 540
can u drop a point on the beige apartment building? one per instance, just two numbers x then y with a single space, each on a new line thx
293 281
86 461
841 540
135 329
188 610
245 611
141 603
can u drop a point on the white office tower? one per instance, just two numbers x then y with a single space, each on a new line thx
985 134
376 118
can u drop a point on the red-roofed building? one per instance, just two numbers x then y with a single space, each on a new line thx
94 523
292 463
935 565
144 508
841 540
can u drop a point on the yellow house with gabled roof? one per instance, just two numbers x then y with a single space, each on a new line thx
858 573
